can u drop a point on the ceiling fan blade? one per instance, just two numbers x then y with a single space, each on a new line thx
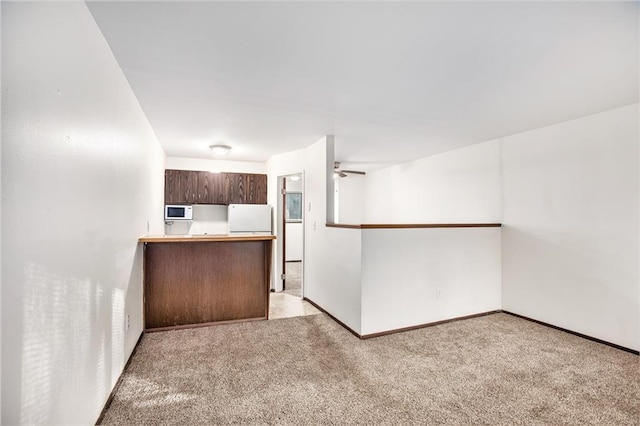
343 173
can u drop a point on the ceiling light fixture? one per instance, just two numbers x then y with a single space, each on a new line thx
220 149
295 178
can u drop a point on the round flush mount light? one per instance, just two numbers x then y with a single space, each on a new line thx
294 178
220 149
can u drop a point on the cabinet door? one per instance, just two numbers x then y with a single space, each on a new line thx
180 187
235 187
211 188
189 181
256 189
220 194
206 188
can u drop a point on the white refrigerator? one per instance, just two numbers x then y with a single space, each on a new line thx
250 218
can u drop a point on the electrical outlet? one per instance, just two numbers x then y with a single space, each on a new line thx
127 322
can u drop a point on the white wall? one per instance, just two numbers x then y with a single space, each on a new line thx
295 185
281 165
332 256
217 166
82 172
351 199
418 276
457 186
570 209
570 236
294 241
333 273
207 219
374 280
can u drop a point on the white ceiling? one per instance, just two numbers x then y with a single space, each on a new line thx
392 81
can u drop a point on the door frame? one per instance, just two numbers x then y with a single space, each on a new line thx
280 219
283 222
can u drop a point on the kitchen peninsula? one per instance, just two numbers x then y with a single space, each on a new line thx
195 280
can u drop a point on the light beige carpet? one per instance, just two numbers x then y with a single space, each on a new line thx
496 369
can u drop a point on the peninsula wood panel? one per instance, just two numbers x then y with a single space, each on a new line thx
205 282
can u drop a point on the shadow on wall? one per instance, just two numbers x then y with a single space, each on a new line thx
57 338
58 317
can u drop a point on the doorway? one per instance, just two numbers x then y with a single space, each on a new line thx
293 235
287 300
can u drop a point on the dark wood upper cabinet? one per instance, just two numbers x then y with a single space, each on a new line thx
171 186
244 188
256 189
196 187
180 187
236 188
211 188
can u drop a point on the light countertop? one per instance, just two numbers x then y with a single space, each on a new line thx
240 236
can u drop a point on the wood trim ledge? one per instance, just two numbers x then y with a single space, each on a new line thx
412 225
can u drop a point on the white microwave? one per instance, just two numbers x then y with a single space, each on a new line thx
176 212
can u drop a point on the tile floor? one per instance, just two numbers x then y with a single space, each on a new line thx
293 285
289 303
282 305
